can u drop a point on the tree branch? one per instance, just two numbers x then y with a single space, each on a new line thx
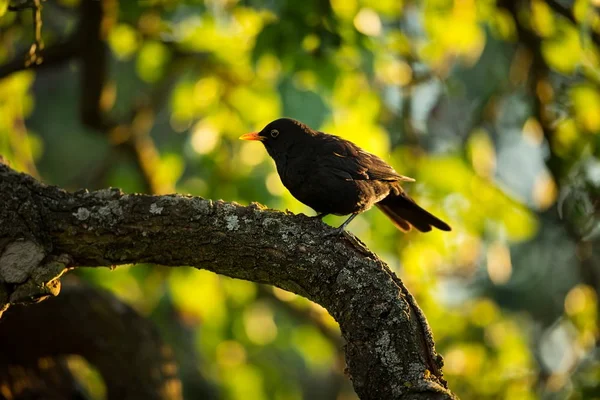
125 347
389 347
54 55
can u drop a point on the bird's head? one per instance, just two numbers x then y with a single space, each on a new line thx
280 135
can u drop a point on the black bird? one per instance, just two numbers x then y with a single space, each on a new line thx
334 176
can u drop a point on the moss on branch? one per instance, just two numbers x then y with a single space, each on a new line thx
389 347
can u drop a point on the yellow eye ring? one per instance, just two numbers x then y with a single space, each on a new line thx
274 133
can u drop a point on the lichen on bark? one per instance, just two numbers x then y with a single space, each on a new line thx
389 347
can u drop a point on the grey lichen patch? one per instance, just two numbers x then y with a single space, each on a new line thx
276 227
327 262
104 212
107 193
108 212
228 207
232 222
115 208
387 353
346 278
82 214
201 206
19 259
271 224
289 233
418 370
154 209
383 342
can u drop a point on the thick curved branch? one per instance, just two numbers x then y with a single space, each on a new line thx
389 348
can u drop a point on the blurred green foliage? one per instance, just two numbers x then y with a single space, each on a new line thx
492 106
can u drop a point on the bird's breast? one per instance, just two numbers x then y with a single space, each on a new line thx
294 171
315 184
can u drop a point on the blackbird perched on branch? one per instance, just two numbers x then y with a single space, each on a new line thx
334 176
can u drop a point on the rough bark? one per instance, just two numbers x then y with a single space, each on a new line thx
389 347
125 348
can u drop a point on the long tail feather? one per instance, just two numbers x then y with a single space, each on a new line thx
404 212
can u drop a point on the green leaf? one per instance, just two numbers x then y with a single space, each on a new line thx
3 7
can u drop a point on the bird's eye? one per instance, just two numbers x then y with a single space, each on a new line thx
274 133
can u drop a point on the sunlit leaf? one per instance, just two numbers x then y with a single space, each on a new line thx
586 103
313 347
542 18
3 7
123 41
563 51
151 61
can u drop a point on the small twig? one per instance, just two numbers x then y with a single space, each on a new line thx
56 54
34 56
38 46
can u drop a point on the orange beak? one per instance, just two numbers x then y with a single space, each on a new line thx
252 136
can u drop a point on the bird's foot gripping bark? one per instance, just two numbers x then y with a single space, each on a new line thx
355 241
335 232
340 230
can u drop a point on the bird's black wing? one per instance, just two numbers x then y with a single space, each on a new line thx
351 162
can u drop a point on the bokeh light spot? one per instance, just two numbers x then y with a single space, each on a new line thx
499 265
259 324
204 138
367 21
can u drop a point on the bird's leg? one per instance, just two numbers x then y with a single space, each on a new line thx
345 224
339 230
